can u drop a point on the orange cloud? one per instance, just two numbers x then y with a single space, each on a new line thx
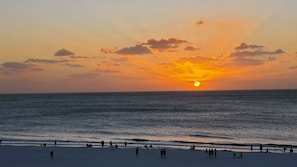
200 22
108 50
190 48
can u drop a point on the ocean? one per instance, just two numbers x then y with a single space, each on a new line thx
226 120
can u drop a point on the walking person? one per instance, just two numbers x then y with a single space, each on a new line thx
52 155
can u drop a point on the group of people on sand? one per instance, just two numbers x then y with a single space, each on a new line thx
211 152
111 144
239 156
261 149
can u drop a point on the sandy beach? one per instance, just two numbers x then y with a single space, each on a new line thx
112 157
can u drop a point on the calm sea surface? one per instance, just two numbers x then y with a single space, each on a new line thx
220 119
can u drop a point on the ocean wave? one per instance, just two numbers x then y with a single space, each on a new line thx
211 136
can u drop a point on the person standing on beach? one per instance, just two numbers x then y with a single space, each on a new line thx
137 152
102 143
110 144
162 153
52 155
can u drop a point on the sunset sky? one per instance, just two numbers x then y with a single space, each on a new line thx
147 45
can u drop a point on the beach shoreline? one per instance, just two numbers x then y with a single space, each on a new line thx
112 157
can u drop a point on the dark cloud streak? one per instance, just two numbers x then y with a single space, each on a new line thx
135 50
243 46
17 67
255 53
47 61
164 44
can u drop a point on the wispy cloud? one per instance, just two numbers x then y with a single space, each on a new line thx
200 22
196 59
293 67
47 61
92 74
84 75
73 65
243 46
79 57
18 67
108 50
251 55
242 61
106 71
256 53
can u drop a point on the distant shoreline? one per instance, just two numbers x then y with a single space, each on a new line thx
145 143
152 91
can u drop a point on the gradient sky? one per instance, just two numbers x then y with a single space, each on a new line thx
147 45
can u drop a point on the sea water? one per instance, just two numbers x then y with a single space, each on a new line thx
206 119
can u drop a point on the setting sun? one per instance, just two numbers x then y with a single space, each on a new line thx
196 84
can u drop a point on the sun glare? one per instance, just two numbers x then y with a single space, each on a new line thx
196 84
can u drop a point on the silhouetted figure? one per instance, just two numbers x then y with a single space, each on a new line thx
261 147
291 150
137 152
251 147
163 153
234 155
110 143
215 153
210 152
285 149
89 145
145 146
116 146
52 155
0 141
241 155
55 142
102 143
151 146
206 151
267 150
125 144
